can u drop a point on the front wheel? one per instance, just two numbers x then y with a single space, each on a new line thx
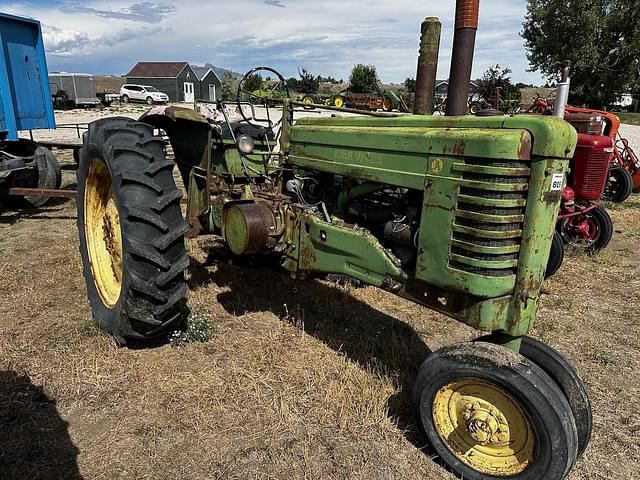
566 377
556 256
149 101
125 98
590 231
492 414
131 231
338 101
619 184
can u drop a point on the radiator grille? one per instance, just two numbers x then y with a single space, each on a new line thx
489 217
595 172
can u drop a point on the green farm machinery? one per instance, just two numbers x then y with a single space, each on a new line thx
456 213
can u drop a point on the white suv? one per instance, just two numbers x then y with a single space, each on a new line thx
142 93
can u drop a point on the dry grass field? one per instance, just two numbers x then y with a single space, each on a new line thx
300 380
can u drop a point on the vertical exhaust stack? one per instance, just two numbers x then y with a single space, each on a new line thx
464 40
562 92
427 66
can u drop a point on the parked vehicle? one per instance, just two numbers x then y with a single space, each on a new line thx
73 90
455 213
142 93
107 98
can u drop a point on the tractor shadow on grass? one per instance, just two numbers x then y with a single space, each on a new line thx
34 439
373 339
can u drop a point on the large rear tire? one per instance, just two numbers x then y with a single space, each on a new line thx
131 231
619 184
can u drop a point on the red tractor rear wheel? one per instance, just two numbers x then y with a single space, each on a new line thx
590 231
619 184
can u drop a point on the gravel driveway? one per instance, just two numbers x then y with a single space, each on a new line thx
631 133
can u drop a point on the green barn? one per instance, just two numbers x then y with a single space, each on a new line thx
210 84
176 79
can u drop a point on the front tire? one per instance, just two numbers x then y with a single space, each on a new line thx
149 101
125 98
619 184
590 231
566 377
556 256
490 413
131 231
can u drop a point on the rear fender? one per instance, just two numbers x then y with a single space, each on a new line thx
190 137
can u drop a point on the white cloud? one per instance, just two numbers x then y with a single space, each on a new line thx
325 37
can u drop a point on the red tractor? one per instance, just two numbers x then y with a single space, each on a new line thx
582 222
624 171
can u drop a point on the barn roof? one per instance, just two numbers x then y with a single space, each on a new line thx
202 72
157 69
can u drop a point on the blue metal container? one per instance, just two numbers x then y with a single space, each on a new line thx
25 99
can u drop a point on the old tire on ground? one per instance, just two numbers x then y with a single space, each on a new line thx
556 256
491 413
387 104
131 231
49 175
590 231
619 184
566 377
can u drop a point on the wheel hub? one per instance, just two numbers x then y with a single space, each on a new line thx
484 427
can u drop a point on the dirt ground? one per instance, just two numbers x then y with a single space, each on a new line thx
301 380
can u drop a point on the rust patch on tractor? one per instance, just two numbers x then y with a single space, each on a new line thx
459 147
524 150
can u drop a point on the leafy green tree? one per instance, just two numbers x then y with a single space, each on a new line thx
308 83
228 93
410 85
252 83
363 79
600 37
497 77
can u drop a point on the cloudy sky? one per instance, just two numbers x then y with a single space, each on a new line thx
326 37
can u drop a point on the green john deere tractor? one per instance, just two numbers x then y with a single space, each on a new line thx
455 213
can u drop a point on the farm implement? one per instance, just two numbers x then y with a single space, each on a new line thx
28 169
456 213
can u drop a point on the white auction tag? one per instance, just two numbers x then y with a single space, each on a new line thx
557 182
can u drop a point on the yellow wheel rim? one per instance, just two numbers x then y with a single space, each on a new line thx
307 100
484 427
338 102
102 233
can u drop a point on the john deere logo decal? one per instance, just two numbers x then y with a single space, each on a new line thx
437 165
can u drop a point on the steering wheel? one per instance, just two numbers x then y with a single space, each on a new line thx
264 97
